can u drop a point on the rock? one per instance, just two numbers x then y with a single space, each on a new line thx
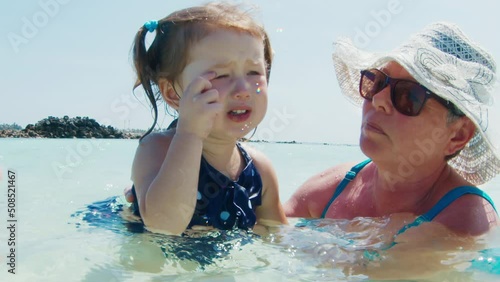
66 127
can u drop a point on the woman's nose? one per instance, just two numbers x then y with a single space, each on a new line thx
382 100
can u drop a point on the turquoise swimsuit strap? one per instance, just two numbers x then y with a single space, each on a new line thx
444 202
350 175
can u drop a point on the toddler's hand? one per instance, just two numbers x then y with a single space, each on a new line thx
199 107
129 196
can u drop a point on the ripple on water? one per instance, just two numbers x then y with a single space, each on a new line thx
305 250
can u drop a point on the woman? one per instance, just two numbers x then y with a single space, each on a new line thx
425 130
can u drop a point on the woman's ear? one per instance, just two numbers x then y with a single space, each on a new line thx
464 129
168 93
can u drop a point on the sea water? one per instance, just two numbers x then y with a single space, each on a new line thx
72 223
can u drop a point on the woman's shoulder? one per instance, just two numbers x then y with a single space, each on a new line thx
312 196
329 178
470 214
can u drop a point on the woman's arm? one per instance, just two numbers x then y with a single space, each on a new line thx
310 199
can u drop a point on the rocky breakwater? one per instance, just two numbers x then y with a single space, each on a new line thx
66 127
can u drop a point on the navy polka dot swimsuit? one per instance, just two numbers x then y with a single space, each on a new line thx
224 203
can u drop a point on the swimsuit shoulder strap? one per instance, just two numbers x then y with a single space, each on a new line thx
444 202
350 175
244 153
451 196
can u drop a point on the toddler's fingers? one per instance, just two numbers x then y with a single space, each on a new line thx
129 196
209 75
200 84
208 97
216 108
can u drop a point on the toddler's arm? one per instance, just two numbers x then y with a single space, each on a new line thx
271 211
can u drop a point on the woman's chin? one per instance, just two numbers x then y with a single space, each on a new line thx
369 147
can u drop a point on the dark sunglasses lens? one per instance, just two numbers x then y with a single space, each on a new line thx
371 83
408 98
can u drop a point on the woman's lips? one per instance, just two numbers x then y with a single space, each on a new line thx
373 128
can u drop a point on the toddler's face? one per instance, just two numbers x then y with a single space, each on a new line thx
238 60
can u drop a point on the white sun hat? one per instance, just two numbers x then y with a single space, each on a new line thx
452 66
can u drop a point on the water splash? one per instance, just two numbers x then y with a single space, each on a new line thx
200 248
301 251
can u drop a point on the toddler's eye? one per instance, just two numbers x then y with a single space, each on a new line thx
221 76
253 73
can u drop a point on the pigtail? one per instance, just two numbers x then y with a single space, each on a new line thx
144 68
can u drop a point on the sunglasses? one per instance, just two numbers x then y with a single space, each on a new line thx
408 97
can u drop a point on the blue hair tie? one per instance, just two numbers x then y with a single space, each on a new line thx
151 25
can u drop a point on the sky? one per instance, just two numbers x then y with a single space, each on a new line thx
68 57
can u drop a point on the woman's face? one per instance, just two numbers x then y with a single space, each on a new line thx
388 135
